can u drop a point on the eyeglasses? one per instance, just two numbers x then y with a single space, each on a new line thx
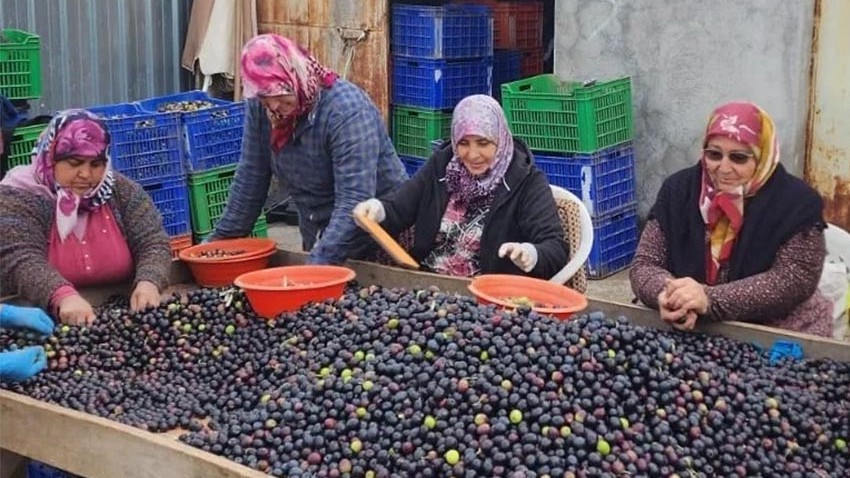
737 157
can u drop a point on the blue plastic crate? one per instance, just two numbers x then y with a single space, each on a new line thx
785 348
604 180
212 136
171 198
615 238
146 147
439 84
506 68
442 32
36 469
411 164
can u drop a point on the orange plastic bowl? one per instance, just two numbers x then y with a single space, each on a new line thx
220 272
252 247
285 289
499 288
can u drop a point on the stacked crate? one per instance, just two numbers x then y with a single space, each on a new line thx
147 148
580 133
517 26
20 81
210 132
441 54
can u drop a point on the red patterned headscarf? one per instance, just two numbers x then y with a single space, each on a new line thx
723 212
273 65
71 133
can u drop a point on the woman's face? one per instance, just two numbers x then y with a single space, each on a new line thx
476 153
279 107
79 174
729 163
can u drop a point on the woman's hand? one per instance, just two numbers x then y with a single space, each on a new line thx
686 293
681 301
75 310
146 294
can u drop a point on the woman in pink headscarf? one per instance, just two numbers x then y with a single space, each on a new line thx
479 205
735 237
320 135
69 221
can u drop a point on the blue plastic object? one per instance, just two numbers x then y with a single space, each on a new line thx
604 180
146 147
36 469
442 32
171 198
506 68
615 238
785 348
212 136
411 164
439 84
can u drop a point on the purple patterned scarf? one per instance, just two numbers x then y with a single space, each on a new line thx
71 133
479 115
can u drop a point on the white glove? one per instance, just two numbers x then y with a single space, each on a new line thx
523 255
371 208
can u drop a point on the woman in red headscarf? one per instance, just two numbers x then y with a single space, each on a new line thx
735 237
320 135
69 221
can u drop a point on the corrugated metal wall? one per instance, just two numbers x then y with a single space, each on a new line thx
96 52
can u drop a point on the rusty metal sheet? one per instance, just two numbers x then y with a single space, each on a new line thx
827 162
361 14
349 36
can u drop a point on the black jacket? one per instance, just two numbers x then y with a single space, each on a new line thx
782 208
524 211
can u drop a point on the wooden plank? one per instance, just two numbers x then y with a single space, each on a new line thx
95 447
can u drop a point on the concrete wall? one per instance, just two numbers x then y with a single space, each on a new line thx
685 57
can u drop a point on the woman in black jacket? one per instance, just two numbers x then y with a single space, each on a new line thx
479 205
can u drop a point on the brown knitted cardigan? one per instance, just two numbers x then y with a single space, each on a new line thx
26 219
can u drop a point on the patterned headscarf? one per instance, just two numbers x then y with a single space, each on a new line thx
273 65
723 212
479 115
71 133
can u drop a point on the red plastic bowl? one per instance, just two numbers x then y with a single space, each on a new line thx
220 272
252 247
498 288
285 289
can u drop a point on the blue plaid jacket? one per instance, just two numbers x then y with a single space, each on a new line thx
340 154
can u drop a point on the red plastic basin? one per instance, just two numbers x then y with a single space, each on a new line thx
497 289
286 289
221 271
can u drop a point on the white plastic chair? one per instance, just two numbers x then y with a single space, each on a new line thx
581 254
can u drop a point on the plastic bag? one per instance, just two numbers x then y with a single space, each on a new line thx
835 285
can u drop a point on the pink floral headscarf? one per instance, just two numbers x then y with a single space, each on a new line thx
273 65
479 115
723 212
71 133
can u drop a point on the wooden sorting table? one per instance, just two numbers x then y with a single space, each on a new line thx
95 447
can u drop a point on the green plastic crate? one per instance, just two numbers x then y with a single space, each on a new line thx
20 64
261 229
415 128
208 193
567 117
23 142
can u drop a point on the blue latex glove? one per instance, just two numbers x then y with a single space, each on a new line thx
14 317
20 365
